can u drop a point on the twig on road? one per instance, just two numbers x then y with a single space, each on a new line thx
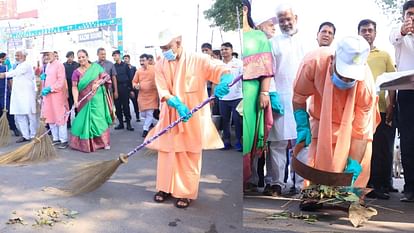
286 204
385 208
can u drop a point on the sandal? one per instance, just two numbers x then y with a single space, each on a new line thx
161 196
184 203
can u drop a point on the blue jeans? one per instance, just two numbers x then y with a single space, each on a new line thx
227 110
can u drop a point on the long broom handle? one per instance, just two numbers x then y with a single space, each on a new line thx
5 92
73 107
195 109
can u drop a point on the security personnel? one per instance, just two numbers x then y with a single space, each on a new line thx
4 66
124 80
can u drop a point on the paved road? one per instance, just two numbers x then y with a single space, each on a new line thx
124 203
393 216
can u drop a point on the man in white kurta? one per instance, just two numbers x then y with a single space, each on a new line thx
288 51
23 97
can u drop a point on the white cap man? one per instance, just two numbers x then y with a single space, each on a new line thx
351 57
264 17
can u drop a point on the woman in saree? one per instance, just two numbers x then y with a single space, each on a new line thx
90 128
257 112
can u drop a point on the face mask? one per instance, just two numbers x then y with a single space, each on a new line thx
169 55
339 83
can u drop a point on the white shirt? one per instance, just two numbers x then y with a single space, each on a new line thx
404 49
236 69
288 52
23 95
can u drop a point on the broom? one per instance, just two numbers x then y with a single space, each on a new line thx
91 176
40 148
4 122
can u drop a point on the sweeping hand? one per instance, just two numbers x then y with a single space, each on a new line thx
302 127
276 103
46 91
43 77
223 88
352 166
182 110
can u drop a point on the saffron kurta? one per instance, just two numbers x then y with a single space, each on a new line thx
337 116
55 104
179 157
148 94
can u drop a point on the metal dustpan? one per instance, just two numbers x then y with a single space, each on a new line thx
317 176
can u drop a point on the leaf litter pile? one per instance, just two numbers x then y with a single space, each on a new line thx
332 196
308 218
47 216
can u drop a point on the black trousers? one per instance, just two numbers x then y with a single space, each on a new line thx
405 100
122 104
382 156
10 118
135 103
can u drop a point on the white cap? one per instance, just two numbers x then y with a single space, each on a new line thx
351 57
167 35
262 11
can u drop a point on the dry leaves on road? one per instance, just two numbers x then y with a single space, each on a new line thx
17 220
308 218
46 216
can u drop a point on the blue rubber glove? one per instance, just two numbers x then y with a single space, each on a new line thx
182 110
46 91
302 127
276 103
223 88
8 64
43 77
352 166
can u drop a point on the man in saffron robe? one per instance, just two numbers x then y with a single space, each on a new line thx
343 108
181 79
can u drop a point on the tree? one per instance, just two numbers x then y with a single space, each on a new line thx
392 9
224 14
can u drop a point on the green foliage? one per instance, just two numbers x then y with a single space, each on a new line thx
392 9
223 13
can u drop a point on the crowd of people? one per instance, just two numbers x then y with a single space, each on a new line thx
324 98
80 100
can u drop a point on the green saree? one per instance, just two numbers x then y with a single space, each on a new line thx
257 64
90 128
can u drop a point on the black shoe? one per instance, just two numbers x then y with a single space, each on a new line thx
392 190
17 133
129 127
274 190
145 133
267 191
120 126
408 197
378 194
22 139
250 188
55 143
138 119
63 145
